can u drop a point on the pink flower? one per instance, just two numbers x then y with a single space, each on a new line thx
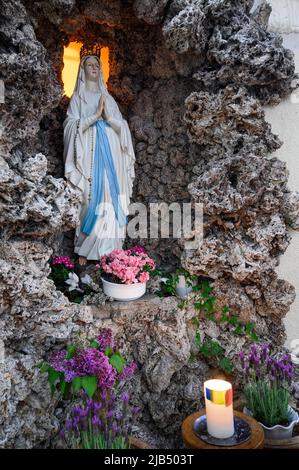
64 260
137 249
127 265
144 277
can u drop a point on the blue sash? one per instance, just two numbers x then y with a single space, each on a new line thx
102 161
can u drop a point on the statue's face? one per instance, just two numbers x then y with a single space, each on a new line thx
92 69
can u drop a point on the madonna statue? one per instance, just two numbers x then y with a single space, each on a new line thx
99 160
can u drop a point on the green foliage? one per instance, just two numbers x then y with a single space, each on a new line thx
204 303
89 439
268 403
59 274
211 348
53 378
168 288
88 383
197 340
71 349
226 365
118 362
249 331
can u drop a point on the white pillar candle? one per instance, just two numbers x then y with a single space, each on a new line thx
219 408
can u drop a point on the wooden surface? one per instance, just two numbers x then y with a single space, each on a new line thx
136 443
191 441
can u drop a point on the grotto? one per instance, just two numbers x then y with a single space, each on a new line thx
192 78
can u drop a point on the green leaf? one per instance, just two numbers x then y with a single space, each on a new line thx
94 344
225 309
197 340
208 306
196 288
53 377
62 383
43 366
195 321
234 320
238 330
108 351
71 349
89 383
254 337
211 316
249 331
117 362
66 389
206 289
197 305
211 348
226 365
224 317
77 383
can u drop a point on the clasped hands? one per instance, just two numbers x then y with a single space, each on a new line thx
102 108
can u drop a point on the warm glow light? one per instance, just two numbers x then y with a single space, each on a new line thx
71 60
219 408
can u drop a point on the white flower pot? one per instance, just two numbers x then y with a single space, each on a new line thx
181 288
278 431
124 292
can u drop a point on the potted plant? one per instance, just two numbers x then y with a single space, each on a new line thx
268 388
63 274
94 378
124 273
179 283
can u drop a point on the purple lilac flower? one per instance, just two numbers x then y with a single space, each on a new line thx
58 361
128 371
105 339
91 361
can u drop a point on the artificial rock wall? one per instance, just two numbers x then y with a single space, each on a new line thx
191 77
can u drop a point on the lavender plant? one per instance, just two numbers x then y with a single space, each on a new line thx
104 423
268 384
95 377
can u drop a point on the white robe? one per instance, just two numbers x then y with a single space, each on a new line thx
106 234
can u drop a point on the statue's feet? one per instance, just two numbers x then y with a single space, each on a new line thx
82 260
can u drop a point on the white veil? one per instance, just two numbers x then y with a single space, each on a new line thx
74 145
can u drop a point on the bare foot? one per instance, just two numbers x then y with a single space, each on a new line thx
82 260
